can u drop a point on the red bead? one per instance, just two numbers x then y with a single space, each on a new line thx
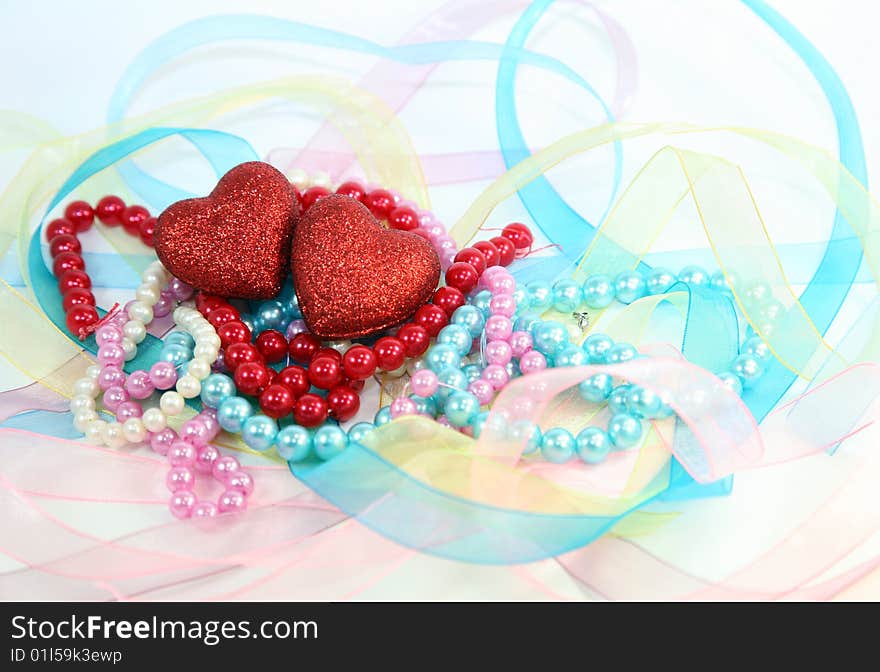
79 317
223 314
311 195
493 256
203 299
71 279
390 353
380 202
415 339
343 402
251 378
325 373
77 297
352 189
518 234
235 331
432 318
59 227
276 401
462 277
448 298
80 214
310 410
303 346
109 210
148 231
294 378
240 353
132 218
403 218
329 352
64 243
67 261
359 362
212 304
472 256
356 385
506 249
272 345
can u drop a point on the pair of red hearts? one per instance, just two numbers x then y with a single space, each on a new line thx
352 276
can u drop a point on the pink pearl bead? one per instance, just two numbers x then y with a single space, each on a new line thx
501 283
402 406
232 501
482 390
108 334
434 230
207 456
139 385
209 420
294 328
181 454
447 257
498 352
426 218
179 289
531 362
489 273
502 304
204 510
180 478
127 410
498 328
110 376
182 504
164 304
424 383
163 375
496 376
224 466
114 396
520 343
194 432
161 441
443 243
241 480
111 354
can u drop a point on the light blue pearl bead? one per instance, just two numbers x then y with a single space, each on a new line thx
180 338
719 282
620 353
617 399
624 430
270 315
293 310
629 286
694 275
460 408
550 337
598 291
571 355
329 441
558 445
526 322
249 322
478 423
748 368
293 443
540 295
451 380
522 298
597 346
216 388
481 301
441 356
425 406
731 381
357 432
526 431
513 369
382 417
457 336
176 354
259 432
757 348
567 295
232 413
592 445
659 280
472 372
596 388
643 403
770 310
471 318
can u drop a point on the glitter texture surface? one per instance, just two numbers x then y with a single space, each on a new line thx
236 241
353 277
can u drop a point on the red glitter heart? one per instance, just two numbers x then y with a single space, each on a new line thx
235 241
353 277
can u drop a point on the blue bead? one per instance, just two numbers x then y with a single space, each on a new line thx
571 355
382 417
451 380
357 432
719 282
597 346
472 372
425 406
471 318
293 443
232 413
643 403
567 295
180 338
757 348
558 445
526 432
457 336
292 308
481 301
598 291
176 354
620 353
521 297
659 280
629 286
442 356
460 408
259 432
540 295
592 445
249 322
329 441
731 381
596 388
526 322
748 368
617 399
550 337
694 275
624 430
270 315
478 422
216 388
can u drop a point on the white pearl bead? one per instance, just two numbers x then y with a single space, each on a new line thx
398 372
213 341
93 371
148 294
199 368
154 420
141 312
298 177
133 430
87 386
82 419
180 315
82 402
208 352
112 435
153 277
136 331
340 346
94 432
129 348
171 402
321 179
157 267
414 365
203 332
188 386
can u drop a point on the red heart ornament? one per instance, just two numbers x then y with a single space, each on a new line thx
353 277
236 240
